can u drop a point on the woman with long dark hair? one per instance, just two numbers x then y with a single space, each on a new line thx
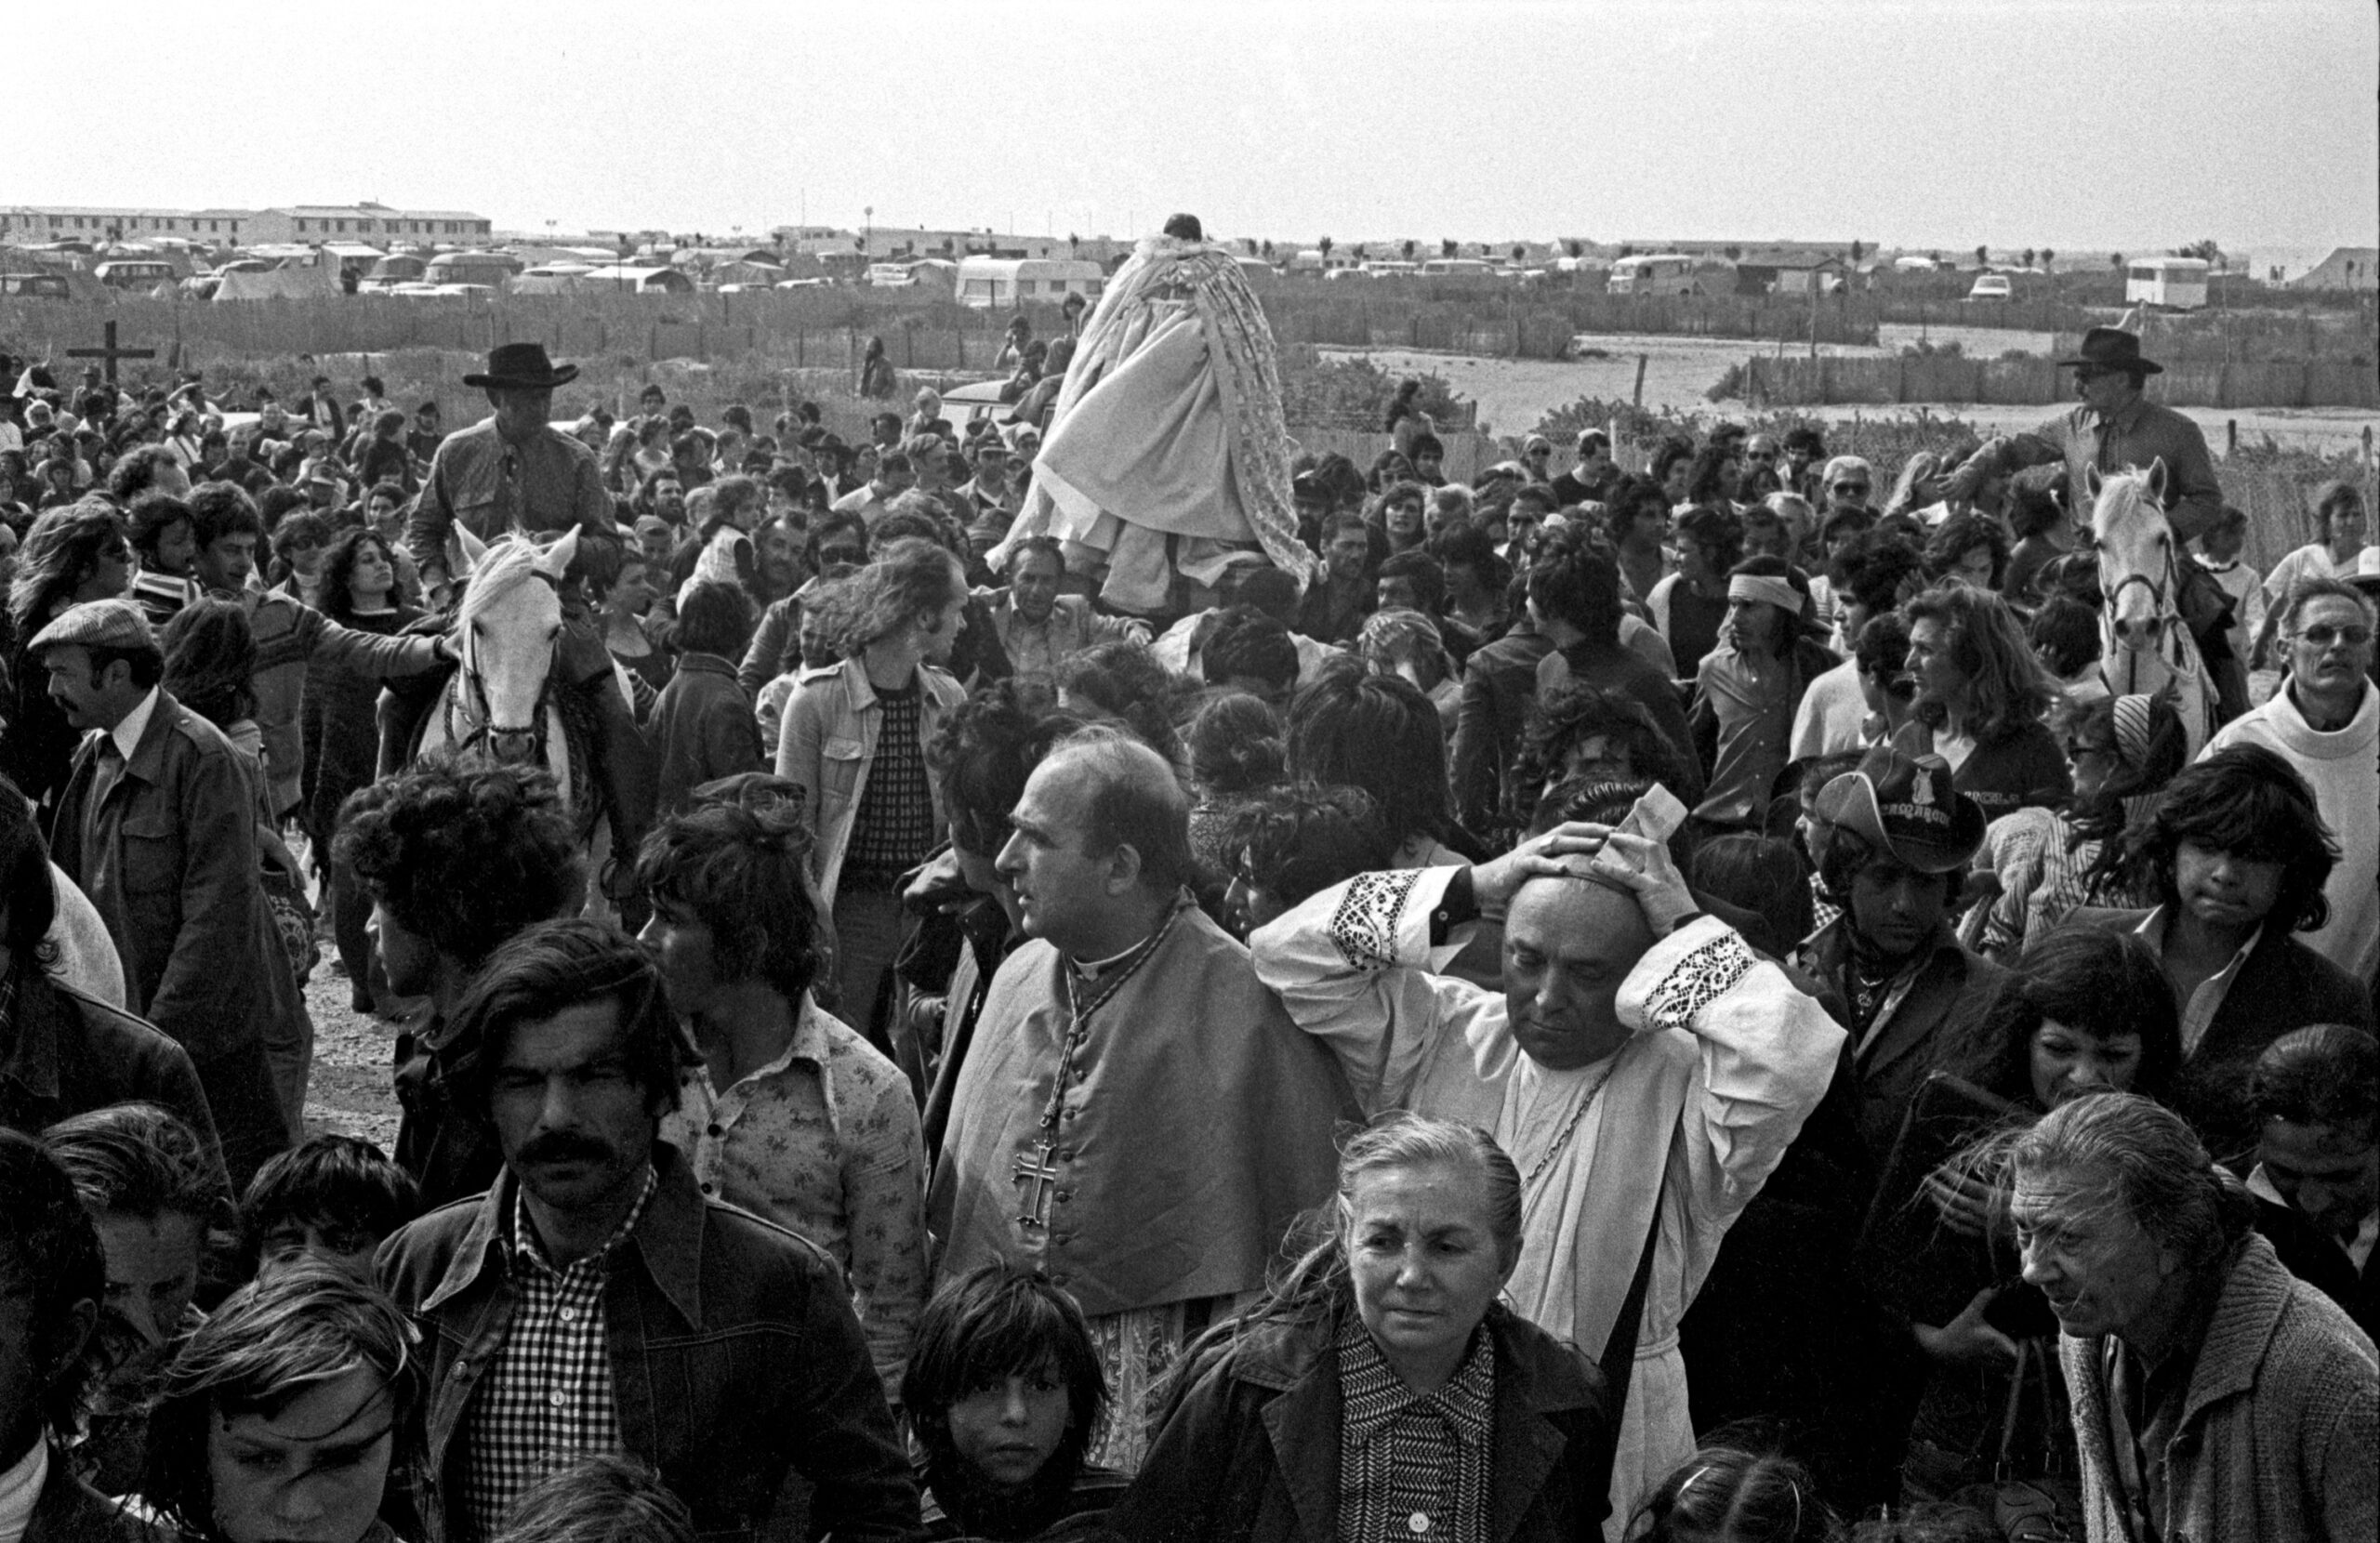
73 553
360 591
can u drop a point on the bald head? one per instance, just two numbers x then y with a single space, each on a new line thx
1568 944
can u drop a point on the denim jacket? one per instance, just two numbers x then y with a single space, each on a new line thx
735 1360
828 742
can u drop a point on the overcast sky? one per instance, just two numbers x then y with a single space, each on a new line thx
2068 124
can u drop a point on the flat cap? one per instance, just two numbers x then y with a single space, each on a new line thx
99 623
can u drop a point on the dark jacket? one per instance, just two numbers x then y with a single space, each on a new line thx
1917 1036
62 1053
1497 692
2284 985
701 729
72 1512
170 860
1615 668
735 1361
1249 1452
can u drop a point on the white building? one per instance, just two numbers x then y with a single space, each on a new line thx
302 224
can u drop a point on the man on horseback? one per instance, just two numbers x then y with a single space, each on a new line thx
2118 427
515 472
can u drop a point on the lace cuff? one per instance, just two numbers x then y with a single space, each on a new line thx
1709 972
1364 927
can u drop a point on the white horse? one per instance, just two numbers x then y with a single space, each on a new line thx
2144 649
500 703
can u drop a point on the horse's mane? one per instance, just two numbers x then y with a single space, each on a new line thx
508 565
2131 484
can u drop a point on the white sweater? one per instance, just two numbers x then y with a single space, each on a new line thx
2344 768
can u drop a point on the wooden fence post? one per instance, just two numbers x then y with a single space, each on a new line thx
1638 394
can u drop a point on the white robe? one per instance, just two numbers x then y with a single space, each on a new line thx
1726 1061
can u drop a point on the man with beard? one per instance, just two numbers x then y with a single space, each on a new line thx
595 1302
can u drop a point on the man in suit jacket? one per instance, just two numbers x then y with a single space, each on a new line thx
158 826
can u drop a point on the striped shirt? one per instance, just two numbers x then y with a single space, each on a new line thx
1413 1466
548 1398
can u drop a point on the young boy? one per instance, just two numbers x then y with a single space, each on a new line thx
1004 1393
333 1198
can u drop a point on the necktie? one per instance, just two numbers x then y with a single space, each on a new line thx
111 767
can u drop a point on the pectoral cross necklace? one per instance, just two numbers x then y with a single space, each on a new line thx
1034 1170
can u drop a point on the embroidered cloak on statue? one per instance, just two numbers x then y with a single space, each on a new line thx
1727 1061
1167 450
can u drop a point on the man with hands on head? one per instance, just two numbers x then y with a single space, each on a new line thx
1629 1023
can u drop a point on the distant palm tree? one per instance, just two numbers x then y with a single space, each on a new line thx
1520 250
2115 261
1448 247
2048 258
1411 247
1982 255
1324 248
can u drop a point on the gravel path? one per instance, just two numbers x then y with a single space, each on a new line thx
349 1089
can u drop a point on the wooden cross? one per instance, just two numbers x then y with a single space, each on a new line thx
1035 1171
111 354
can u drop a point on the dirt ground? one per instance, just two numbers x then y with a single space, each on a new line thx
1513 394
349 1092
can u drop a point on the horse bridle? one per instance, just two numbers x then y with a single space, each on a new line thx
477 688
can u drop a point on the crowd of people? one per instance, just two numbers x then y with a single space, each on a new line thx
1667 1002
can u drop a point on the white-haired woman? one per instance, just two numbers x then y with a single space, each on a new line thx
1383 1356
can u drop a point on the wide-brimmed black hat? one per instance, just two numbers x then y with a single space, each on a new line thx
2112 349
524 365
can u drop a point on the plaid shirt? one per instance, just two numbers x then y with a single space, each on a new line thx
1413 1466
548 1399
895 825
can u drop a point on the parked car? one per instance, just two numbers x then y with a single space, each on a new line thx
1990 286
34 287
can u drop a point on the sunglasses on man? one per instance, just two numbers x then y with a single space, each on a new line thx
2321 636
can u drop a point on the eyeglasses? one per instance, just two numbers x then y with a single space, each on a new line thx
1851 487
2319 636
1762 456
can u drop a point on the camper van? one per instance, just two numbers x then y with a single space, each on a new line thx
491 269
1661 273
999 282
141 274
2178 284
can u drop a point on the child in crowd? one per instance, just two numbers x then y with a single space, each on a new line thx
1004 1393
332 1197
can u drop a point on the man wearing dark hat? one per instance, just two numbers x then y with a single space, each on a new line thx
510 470
158 826
1893 840
514 471
2118 427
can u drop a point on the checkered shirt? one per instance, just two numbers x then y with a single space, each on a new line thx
547 1401
1413 1468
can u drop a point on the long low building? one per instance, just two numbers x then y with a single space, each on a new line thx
302 223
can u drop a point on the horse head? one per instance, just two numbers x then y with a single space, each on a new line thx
508 624
2139 569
